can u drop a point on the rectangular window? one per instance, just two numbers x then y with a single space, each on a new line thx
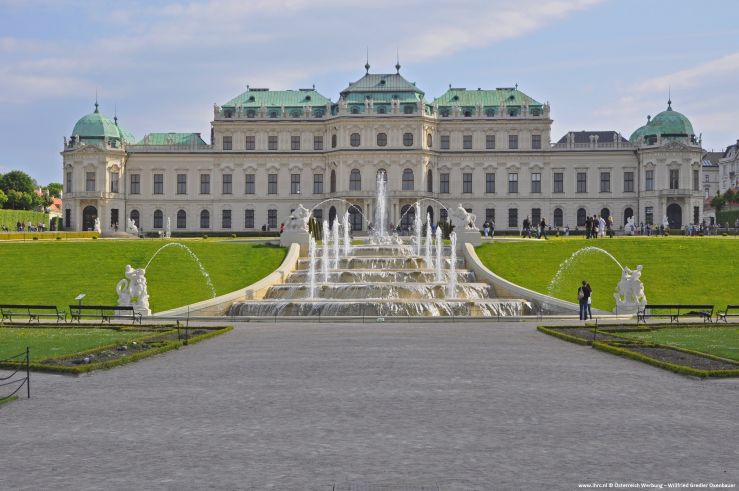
513 182
248 218
559 182
294 183
89 181
696 180
490 215
467 142
204 183
69 182
181 183
67 218
251 142
114 179
674 178
467 182
628 182
512 217
649 215
490 182
445 142
513 142
490 142
135 183
444 183
605 182
535 217
696 214
227 183
226 219
317 183
272 184
582 182
227 142
272 142
318 142
536 142
250 183
536 182
272 218
295 142
649 180
158 183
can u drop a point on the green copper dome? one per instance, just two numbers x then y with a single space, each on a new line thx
95 127
668 123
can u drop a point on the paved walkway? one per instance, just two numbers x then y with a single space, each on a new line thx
449 406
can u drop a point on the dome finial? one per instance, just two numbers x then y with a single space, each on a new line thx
367 65
397 61
669 98
115 114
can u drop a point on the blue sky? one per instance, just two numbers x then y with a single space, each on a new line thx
601 64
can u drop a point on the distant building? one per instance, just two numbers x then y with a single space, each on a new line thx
271 150
728 167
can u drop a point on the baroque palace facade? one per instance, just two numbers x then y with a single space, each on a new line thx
489 150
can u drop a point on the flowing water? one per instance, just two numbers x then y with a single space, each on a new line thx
195 258
565 265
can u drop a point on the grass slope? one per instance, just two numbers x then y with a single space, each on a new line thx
49 342
718 341
676 269
55 272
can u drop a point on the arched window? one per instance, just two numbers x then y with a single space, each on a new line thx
468 114
445 113
181 219
408 139
333 181
331 216
429 214
333 141
135 217
355 110
443 215
581 217
429 140
354 139
251 113
273 114
605 213
381 110
381 139
355 180
204 219
383 173
407 218
407 180
158 219
355 217
429 181
408 109
558 217
628 213
490 112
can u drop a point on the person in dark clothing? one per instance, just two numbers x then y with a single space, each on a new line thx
543 229
588 227
583 293
590 299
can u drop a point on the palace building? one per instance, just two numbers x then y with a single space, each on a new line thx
488 149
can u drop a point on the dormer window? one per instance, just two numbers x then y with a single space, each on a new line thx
490 113
307 98
382 82
444 113
251 113
251 98
455 98
227 114
381 110
408 109
273 114
468 114
355 110
295 114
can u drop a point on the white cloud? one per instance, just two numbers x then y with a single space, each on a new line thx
693 77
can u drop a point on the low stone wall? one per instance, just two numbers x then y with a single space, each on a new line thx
503 288
219 306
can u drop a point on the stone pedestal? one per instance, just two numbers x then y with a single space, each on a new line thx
298 237
468 237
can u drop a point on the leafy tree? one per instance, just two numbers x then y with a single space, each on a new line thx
55 189
730 196
18 200
718 202
3 198
17 180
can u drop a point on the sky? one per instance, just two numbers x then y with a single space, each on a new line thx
161 65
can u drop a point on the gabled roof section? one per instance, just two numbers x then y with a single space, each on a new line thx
256 98
710 159
172 139
392 83
603 136
493 98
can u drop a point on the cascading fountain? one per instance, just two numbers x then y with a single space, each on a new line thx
347 236
417 228
324 257
336 244
312 266
439 249
429 245
381 205
452 285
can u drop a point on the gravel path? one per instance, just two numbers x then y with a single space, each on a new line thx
371 407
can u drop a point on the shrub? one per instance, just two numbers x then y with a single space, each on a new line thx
58 238
35 238
94 237
233 236
205 236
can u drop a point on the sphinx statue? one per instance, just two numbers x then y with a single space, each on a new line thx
460 215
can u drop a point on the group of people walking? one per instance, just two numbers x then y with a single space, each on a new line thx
539 230
597 227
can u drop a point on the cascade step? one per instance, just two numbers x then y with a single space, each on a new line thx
378 291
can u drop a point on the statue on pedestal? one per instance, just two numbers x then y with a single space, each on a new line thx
461 215
629 228
96 227
630 296
298 221
133 291
131 227
168 232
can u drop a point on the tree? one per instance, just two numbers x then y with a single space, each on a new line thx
3 199
730 196
17 180
55 189
718 202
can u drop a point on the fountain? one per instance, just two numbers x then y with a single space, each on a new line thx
312 266
452 285
335 239
439 249
417 227
347 237
324 257
429 260
381 205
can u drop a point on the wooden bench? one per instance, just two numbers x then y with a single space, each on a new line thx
675 311
33 312
104 312
727 312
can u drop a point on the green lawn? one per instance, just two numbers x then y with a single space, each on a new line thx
50 342
676 269
55 272
718 341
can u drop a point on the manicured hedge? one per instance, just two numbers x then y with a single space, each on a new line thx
10 218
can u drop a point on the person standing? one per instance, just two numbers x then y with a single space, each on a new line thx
588 226
583 293
492 228
590 299
486 228
543 229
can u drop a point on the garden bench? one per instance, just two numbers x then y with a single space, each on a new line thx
104 312
674 312
727 312
33 312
